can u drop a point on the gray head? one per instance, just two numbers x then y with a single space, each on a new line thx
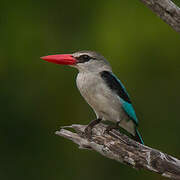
90 61
84 61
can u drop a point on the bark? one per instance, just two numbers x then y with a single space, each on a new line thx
120 147
166 10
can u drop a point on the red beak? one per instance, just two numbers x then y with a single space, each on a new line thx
65 59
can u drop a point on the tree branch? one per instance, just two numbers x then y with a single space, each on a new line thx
166 10
121 148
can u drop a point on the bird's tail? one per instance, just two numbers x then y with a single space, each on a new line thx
138 137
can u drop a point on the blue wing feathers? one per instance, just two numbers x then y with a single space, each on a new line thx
128 108
115 84
120 84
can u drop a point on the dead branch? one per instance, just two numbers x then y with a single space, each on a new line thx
166 10
121 148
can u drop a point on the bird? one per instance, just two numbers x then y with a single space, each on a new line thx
102 90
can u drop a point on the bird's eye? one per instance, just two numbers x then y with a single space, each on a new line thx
83 58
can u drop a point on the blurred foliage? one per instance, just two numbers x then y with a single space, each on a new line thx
38 97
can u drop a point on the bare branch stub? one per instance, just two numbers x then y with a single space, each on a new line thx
121 148
166 10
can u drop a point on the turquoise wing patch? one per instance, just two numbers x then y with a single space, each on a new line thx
115 85
128 108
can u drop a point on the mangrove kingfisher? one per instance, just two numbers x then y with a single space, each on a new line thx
102 90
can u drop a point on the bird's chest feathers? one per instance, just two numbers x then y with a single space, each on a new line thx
88 86
96 92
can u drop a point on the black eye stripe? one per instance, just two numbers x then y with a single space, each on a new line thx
83 58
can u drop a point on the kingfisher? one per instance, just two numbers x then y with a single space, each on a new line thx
102 90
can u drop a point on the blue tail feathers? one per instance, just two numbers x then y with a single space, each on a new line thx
138 137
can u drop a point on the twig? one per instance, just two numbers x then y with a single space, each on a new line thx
166 10
121 148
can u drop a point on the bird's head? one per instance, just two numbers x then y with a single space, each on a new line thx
84 61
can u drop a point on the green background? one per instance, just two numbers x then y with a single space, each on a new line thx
38 97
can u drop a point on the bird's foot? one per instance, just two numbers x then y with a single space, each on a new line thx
111 127
88 129
88 132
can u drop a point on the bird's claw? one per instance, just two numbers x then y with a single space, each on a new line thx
110 128
88 132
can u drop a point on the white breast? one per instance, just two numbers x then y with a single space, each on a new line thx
104 102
